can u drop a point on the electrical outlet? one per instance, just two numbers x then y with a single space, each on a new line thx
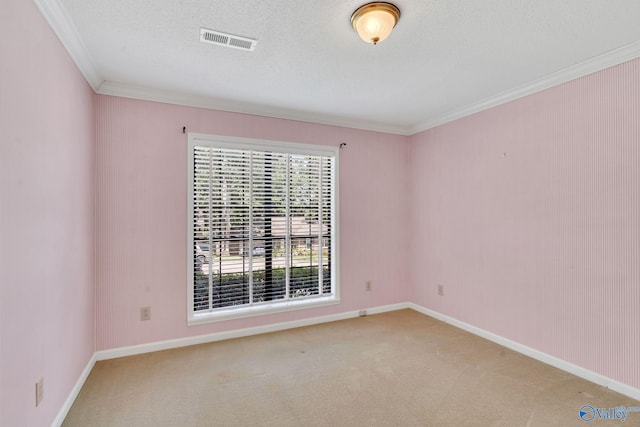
367 285
39 390
145 313
441 290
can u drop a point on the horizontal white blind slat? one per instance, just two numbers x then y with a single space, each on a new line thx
241 229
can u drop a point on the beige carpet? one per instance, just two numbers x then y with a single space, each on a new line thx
394 369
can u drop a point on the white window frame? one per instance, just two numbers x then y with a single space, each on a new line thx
242 311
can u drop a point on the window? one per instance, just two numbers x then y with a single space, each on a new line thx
262 227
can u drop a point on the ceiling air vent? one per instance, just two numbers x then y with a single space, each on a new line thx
228 40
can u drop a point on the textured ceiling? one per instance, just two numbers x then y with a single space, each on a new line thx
443 59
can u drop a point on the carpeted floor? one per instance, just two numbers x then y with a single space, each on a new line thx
394 369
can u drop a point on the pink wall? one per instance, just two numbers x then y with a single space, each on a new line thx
529 215
142 216
47 170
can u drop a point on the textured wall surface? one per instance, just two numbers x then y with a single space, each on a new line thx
528 215
47 175
141 239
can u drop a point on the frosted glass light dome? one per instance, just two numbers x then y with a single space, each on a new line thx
374 21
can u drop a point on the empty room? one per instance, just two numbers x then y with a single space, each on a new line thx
229 213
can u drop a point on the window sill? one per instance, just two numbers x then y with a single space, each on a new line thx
231 313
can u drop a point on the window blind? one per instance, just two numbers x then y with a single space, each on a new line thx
262 226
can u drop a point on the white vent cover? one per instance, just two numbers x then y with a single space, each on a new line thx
228 40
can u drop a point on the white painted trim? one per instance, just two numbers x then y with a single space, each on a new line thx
238 333
590 66
576 370
62 25
288 304
586 374
58 19
212 103
62 414
387 308
256 310
606 60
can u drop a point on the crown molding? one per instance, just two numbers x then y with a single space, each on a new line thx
590 66
201 101
58 19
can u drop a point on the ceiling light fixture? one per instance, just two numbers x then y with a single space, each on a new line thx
374 21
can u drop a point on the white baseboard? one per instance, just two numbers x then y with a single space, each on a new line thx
386 308
238 333
62 414
576 370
